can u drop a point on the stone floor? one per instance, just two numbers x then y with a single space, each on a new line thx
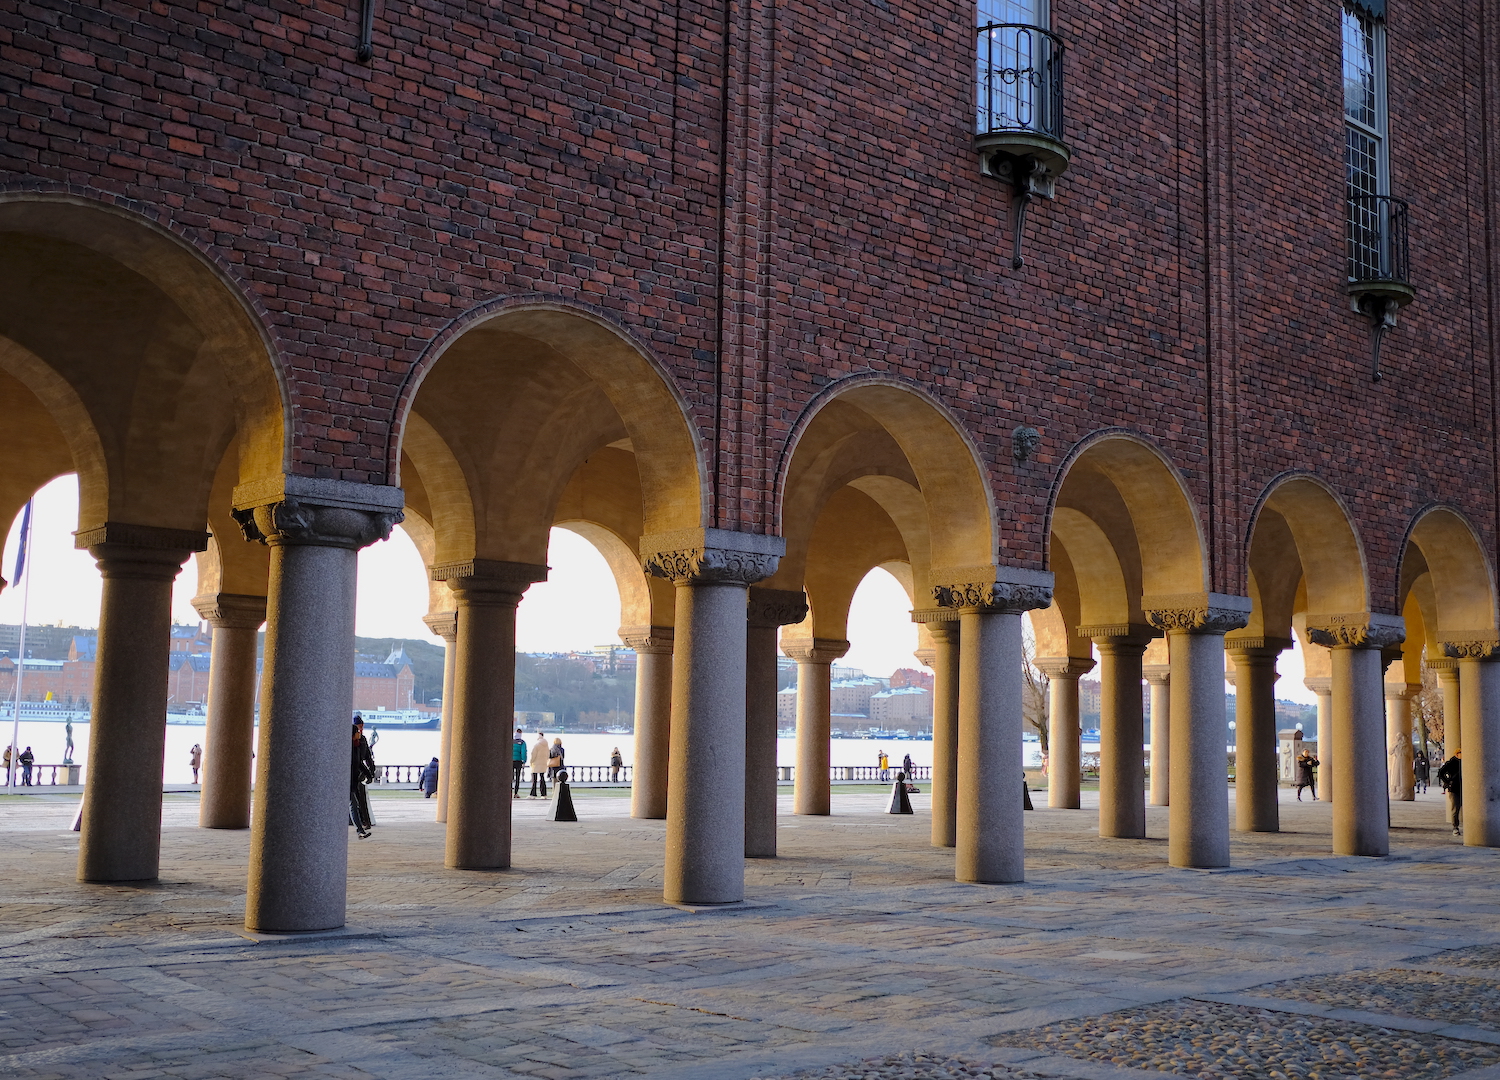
855 955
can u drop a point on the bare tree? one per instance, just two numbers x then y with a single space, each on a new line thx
1034 694
1427 708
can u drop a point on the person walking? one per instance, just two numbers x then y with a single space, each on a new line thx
195 760
429 779
517 763
1306 778
1421 771
361 772
27 760
541 750
884 763
907 767
616 763
555 758
1451 779
8 749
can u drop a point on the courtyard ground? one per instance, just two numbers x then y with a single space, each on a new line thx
854 955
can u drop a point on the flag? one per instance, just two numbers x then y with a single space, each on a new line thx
21 548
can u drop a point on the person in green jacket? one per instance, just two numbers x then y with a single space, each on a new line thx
517 763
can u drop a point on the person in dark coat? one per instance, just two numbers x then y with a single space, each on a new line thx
361 772
429 779
1421 771
1307 774
1451 779
27 760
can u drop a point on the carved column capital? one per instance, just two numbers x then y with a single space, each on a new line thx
1255 650
1121 637
711 556
1402 691
815 650
1445 666
1322 685
926 657
651 640
443 624
1006 589
1480 645
1064 667
770 608
1197 613
1157 674
231 610
488 582
1356 630
314 511
140 552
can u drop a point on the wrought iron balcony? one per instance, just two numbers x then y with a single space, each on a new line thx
1375 235
1019 114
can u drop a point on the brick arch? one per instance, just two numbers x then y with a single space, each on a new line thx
522 392
145 350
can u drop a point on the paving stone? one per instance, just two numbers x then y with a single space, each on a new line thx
857 944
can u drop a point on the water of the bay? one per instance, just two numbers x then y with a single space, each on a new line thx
404 747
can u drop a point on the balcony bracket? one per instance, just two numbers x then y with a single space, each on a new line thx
1379 302
1029 178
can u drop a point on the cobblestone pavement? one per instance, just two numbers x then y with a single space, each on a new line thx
853 948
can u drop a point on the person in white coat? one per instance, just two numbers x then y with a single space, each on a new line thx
541 750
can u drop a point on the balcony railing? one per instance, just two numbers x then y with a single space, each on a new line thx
1375 237
1020 80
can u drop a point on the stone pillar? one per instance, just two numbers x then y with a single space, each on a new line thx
1399 753
1257 751
1324 689
1361 814
120 834
990 842
1064 731
1122 729
299 831
811 792
1196 624
712 570
1447 673
229 728
769 609
1479 685
945 670
484 707
1157 675
445 625
653 718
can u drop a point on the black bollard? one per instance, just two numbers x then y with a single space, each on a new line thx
900 802
1025 794
562 800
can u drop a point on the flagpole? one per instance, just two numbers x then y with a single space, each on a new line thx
23 571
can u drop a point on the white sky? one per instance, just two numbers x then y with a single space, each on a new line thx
576 608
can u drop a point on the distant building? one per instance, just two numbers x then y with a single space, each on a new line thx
852 696
388 685
786 707
911 677
903 706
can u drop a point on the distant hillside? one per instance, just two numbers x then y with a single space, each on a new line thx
427 660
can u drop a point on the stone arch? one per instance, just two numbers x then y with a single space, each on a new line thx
1442 546
904 450
1142 516
521 394
145 353
1304 550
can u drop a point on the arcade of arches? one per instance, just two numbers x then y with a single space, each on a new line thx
127 358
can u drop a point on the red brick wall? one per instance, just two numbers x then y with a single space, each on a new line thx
1186 284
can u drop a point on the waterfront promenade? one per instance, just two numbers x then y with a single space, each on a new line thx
854 945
